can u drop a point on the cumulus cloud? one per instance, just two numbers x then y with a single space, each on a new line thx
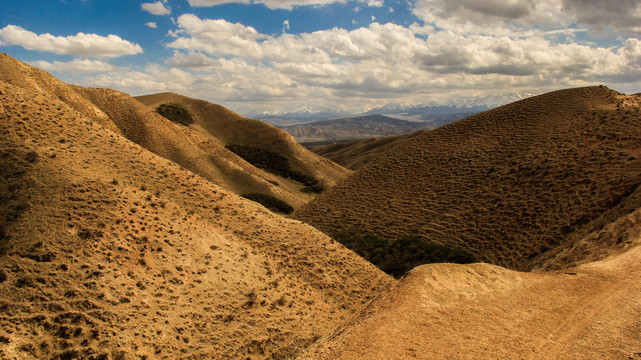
620 15
81 44
151 24
491 16
388 61
156 8
134 81
75 66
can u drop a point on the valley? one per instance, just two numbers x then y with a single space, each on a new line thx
127 231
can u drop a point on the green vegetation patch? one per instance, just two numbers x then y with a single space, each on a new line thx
176 113
270 202
272 162
400 256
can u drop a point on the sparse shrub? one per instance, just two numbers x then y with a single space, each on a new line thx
270 161
252 297
176 113
399 256
317 189
31 157
270 202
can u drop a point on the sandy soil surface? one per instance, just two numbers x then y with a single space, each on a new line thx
481 311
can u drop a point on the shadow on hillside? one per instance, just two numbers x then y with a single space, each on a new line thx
402 255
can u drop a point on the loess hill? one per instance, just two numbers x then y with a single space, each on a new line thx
110 251
199 147
520 186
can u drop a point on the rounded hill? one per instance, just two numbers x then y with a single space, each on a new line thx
511 185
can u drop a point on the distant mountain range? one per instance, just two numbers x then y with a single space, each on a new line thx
406 111
353 127
319 124
303 114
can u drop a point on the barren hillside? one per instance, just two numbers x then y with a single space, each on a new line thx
224 127
516 186
481 311
108 251
192 148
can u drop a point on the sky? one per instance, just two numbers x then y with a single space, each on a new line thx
257 56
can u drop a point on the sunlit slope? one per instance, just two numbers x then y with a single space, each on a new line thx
482 311
191 149
111 251
507 185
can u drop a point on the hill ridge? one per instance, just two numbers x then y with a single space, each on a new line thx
477 176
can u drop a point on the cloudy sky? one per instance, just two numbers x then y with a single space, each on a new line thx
266 55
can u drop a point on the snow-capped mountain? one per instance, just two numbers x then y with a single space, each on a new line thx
430 110
305 111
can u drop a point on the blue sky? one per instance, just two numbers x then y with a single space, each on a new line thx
268 55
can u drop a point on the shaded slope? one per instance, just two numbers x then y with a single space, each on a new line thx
110 251
355 154
481 311
505 185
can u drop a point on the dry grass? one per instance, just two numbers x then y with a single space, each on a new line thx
115 252
506 185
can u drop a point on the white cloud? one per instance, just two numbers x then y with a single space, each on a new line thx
75 66
383 62
373 3
134 82
81 44
151 24
156 8
286 25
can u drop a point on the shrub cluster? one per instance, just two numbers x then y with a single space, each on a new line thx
270 202
399 256
176 113
272 162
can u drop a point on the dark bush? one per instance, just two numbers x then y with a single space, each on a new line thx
399 256
176 113
317 189
270 161
270 202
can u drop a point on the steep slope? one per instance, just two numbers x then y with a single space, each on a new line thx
506 185
110 251
481 311
353 127
355 154
224 127
194 150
